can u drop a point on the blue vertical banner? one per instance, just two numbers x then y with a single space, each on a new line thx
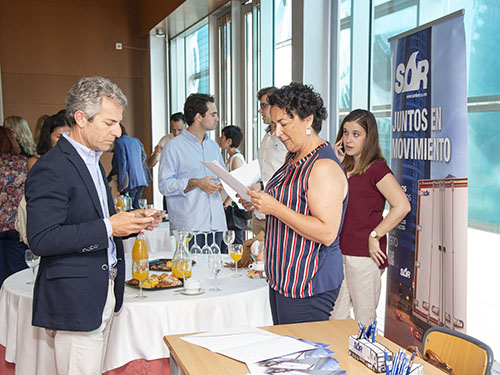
426 281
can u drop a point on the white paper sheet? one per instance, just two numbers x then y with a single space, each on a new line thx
234 180
248 344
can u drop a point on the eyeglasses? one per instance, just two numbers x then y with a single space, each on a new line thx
263 105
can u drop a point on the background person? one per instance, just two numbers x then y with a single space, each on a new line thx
73 226
271 154
304 203
177 125
38 127
230 140
363 238
54 126
192 191
22 132
52 129
13 173
128 164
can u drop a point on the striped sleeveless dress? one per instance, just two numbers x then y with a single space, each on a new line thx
297 267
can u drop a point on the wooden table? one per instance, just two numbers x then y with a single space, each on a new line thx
186 358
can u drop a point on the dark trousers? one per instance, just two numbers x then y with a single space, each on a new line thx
286 310
11 254
135 194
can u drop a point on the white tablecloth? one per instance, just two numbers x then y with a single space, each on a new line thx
138 328
157 240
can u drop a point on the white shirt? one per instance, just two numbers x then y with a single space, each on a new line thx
271 155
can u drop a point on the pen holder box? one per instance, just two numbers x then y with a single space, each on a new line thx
372 354
373 357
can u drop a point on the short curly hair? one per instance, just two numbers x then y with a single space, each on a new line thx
301 100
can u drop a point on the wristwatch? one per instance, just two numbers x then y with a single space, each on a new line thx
374 234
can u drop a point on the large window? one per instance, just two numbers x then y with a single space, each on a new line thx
389 18
225 70
345 57
282 42
189 65
197 62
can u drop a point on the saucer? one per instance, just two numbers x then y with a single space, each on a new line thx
193 292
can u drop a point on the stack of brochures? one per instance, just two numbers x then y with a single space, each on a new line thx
267 353
317 361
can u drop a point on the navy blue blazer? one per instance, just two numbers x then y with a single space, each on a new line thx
65 227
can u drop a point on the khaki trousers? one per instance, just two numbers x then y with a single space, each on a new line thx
360 290
258 225
82 353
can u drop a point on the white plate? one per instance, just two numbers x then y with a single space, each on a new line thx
193 293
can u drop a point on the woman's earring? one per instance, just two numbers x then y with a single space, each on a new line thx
308 131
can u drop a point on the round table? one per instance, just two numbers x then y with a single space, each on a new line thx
138 328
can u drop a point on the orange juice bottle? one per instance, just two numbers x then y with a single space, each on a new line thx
120 204
140 258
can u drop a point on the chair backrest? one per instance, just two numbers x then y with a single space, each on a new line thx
464 353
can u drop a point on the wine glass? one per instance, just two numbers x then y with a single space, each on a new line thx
206 250
32 260
235 252
215 264
184 266
228 237
143 203
150 206
189 235
214 247
140 270
195 249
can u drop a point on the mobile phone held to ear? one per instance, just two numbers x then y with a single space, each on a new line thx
157 214
342 149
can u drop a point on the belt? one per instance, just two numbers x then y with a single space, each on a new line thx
112 273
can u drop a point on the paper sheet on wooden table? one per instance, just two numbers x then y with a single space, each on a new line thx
236 181
248 344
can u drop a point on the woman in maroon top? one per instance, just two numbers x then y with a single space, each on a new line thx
363 238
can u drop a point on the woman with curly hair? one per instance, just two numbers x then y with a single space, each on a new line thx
22 132
304 203
12 177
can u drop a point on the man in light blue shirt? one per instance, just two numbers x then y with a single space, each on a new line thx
192 191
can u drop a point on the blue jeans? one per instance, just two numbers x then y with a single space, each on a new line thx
11 254
286 310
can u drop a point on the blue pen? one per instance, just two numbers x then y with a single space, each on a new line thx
394 361
403 365
367 332
402 361
411 360
361 333
374 330
395 364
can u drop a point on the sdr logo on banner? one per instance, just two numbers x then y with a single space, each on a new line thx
413 72
405 273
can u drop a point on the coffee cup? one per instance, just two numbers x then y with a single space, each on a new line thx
257 266
192 286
